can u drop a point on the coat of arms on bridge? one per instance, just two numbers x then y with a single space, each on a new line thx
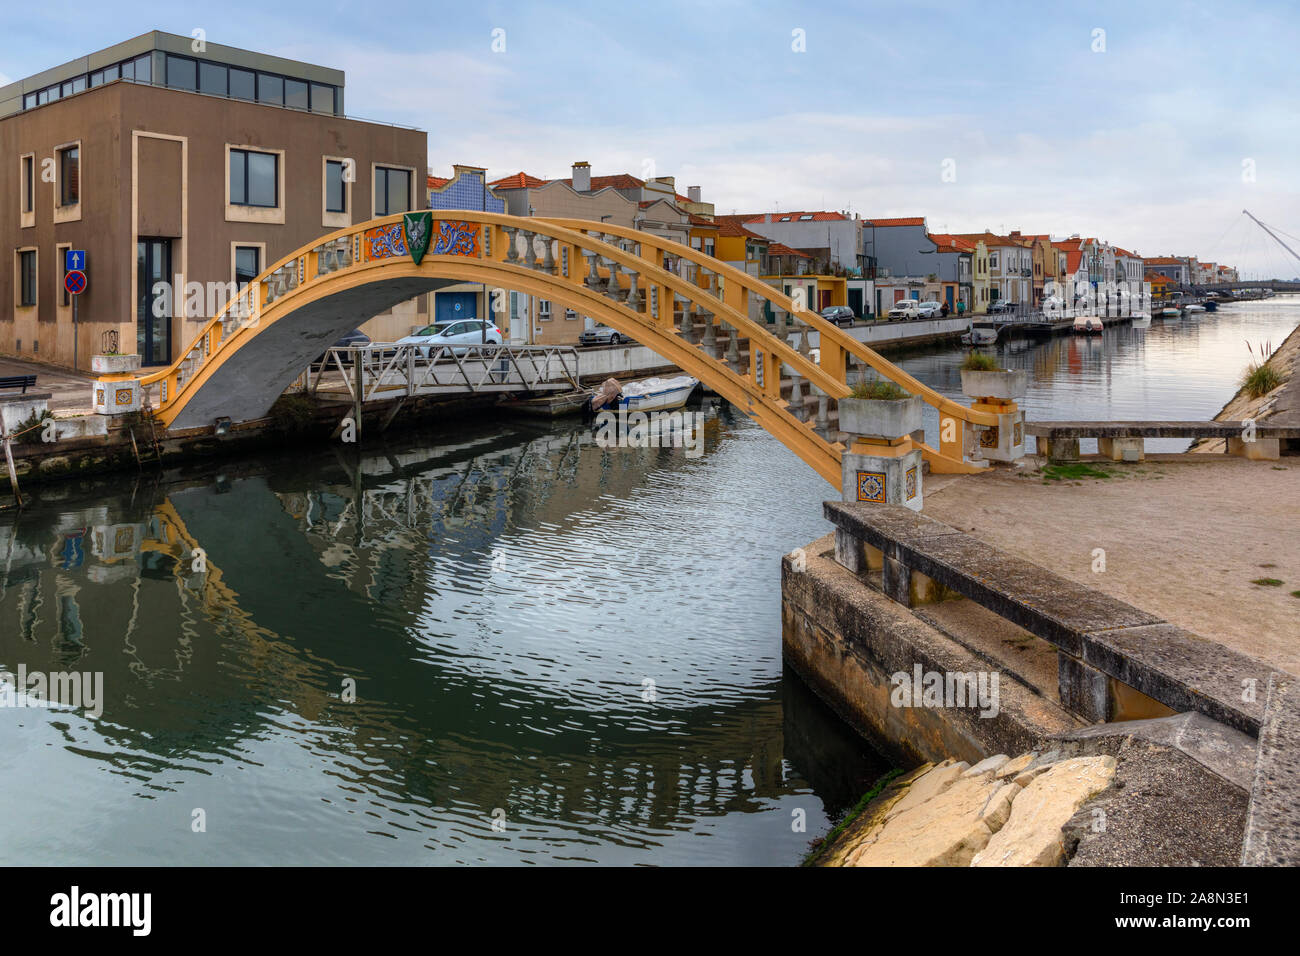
418 226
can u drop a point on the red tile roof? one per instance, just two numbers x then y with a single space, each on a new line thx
912 221
617 181
949 243
437 182
793 216
732 226
518 181
781 249
701 221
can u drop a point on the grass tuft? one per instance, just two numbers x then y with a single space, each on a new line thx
980 362
1071 472
878 390
1267 582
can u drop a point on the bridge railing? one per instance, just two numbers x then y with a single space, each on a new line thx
694 310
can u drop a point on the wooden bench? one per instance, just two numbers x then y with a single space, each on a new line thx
18 381
1124 441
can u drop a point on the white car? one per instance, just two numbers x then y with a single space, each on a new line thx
929 310
905 309
466 332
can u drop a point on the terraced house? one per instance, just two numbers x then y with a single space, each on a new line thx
169 162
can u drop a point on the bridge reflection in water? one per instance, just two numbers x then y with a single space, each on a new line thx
498 602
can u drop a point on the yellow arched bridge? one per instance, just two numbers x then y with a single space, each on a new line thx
691 309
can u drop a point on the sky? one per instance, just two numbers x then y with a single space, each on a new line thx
1151 125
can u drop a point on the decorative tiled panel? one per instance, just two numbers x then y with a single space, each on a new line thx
989 437
1019 434
466 191
871 486
454 238
385 242
909 483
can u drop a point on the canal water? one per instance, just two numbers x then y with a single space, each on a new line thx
1184 369
491 642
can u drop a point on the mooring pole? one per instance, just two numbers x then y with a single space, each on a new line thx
7 440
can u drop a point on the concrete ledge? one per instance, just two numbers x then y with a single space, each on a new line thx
845 639
1045 604
1273 820
1173 667
1054 431
1183 671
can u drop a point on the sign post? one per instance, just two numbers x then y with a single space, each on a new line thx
74 280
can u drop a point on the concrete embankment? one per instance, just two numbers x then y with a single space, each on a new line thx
1280 406
959 659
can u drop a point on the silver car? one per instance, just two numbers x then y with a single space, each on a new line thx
467 332
601 335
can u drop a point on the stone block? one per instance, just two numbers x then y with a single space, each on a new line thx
1004 441
1059 449
1122 449
882 479
118 397
18 407
1261 449
1084 690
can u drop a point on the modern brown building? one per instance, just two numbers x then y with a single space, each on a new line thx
168 160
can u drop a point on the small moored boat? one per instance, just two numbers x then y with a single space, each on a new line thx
657 394
1171 314
1193 308
1088 325
979 337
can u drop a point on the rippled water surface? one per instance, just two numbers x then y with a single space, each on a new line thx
559 653
491 642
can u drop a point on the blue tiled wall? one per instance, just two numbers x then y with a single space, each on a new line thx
466 192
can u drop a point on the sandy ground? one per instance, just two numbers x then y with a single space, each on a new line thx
1182 539
69 391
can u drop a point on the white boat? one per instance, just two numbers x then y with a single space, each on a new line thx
1171 314
657 394
1088 325
1194 308
1141 320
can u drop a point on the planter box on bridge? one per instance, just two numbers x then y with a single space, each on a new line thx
998 392
881 465
106 364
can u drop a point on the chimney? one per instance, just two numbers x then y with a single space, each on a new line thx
1015 233
767 217
693 193
582 177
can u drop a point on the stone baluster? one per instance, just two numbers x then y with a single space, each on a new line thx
733 349
688 323
593 277
796 396
823 411
710 341
804 347
633 296
612 289
530 249
512 247
548 263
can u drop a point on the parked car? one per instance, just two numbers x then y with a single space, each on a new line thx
465 333
929 309
1000 307
355 337
905 309
839 314
601 335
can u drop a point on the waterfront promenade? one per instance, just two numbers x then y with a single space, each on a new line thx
1183 539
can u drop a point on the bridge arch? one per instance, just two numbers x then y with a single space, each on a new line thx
682 303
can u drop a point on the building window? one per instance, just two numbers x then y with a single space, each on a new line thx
61 263
336 194
248 264
243 84
270 89
295 94
213 79
69 176
392 191
29 183
544 310
182 73
322 98
254 178
27 278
